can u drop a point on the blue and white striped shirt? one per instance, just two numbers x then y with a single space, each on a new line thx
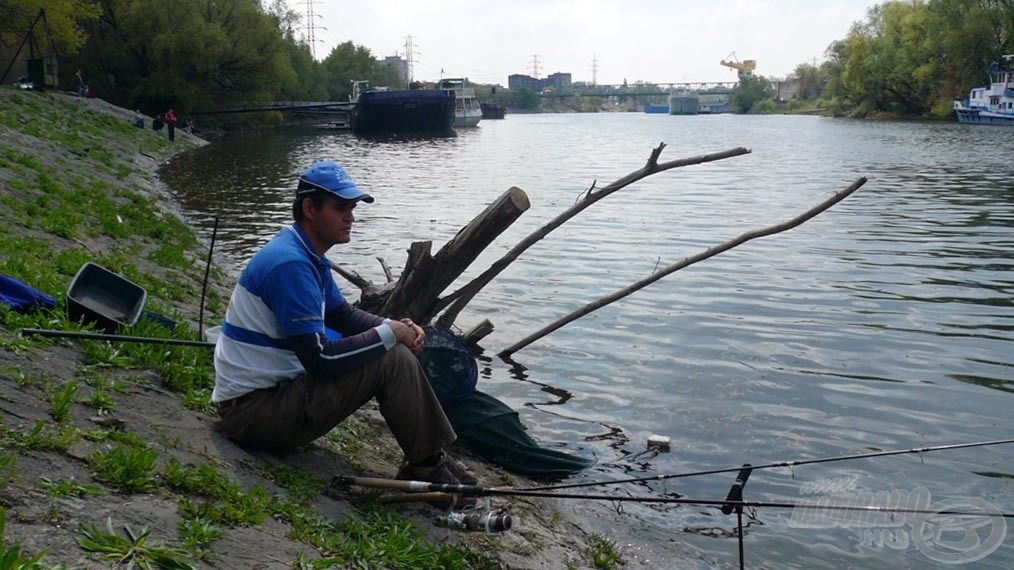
286 291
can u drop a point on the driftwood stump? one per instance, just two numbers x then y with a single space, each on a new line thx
416 294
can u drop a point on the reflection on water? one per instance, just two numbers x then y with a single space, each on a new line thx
884 322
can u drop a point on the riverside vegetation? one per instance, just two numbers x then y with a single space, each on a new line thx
108 453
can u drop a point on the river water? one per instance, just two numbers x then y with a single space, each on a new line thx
884 323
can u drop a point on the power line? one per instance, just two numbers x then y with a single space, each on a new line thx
410 58
310 28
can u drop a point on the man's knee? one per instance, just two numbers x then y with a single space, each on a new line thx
402 366
401 358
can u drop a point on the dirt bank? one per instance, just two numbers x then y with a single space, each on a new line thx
95 433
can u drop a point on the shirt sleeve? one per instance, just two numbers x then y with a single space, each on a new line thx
324 358
349 320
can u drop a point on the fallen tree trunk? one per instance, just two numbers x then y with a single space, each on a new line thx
710 252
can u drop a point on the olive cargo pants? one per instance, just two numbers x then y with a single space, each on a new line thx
297 412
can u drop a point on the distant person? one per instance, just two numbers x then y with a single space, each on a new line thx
188 126
138 119
280 383
170 123
156 123
80 84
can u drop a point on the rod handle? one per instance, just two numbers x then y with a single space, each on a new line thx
736 492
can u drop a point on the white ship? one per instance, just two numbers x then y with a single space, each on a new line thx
467 111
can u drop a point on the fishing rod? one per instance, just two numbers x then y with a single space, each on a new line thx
773 465
733 502
114 337
339 481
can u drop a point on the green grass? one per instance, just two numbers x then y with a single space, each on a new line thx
197 533
381 539
126 467
68 488
135 550
41 437
13 558
8 463
303 488
62 400
204 480
604 554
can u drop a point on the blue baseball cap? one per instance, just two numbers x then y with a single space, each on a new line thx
329 176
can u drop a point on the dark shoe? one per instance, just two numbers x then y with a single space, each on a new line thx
459 472
441 474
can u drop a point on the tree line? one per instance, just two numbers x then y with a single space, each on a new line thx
907 58
190 54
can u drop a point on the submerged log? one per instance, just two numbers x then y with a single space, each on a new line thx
480 331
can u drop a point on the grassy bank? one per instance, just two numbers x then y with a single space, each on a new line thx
108 453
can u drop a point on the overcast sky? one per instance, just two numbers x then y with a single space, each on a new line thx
652 40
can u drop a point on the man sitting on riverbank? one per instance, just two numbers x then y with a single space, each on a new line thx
281 383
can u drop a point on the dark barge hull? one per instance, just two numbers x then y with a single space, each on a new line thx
491 111
404 112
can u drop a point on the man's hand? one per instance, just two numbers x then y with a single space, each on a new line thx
409 334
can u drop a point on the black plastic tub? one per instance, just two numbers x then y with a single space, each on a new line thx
101 297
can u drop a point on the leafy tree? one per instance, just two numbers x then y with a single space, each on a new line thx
914 57
348 62
809 80
522 98
65 18
186 54
749 92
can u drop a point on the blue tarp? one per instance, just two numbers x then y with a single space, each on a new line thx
19 296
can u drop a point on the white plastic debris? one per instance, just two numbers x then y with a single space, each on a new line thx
658 443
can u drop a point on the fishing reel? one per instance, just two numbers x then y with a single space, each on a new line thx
495 520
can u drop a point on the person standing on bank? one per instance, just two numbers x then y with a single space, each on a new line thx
280 383
170 122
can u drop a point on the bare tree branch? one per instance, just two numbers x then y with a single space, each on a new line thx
387 269
710 252
458 299
351 276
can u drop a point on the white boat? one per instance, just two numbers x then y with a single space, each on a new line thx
991 105
467 111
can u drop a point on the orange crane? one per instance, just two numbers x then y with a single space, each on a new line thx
745 68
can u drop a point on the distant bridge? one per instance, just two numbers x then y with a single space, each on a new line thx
688 85
635 90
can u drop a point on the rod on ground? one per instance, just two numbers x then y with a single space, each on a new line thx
407 486
424 487
114 337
